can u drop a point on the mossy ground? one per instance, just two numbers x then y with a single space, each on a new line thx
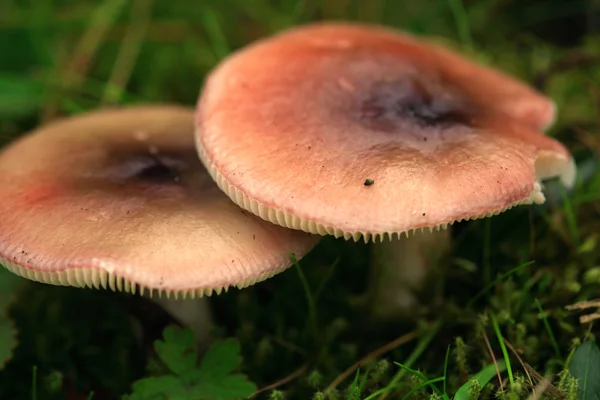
64 56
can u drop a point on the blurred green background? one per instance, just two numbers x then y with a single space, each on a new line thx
64 57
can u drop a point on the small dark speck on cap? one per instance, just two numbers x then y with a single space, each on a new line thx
369 182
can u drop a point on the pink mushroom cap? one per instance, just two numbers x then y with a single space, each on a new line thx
119 198
355 130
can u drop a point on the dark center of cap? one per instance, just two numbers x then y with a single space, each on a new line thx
158 171
172 167
147 165
390 105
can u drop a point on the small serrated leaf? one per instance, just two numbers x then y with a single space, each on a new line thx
231 387
158 388
221 358
211 380
585 367
178 350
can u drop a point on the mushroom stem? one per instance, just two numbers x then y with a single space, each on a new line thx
400 267
193 313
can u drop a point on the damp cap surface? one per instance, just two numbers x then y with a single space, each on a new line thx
361 131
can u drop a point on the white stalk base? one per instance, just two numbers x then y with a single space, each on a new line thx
399 269
193 313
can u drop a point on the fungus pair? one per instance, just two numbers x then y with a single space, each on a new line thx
331 129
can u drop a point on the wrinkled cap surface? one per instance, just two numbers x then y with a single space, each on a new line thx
119 198
356 130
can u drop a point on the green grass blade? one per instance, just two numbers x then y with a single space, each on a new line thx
483 377
548 328
497 280
503 347
421 347
461 20
424 384
310 300
217 37
571 218
34 383
446 371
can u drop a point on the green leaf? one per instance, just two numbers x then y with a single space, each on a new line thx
158 388
585 367
222 358
213 379
230 387
178 350
482 377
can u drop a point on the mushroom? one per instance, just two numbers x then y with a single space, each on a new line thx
361 131
118 199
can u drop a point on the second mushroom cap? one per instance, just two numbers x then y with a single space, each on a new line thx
119 198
